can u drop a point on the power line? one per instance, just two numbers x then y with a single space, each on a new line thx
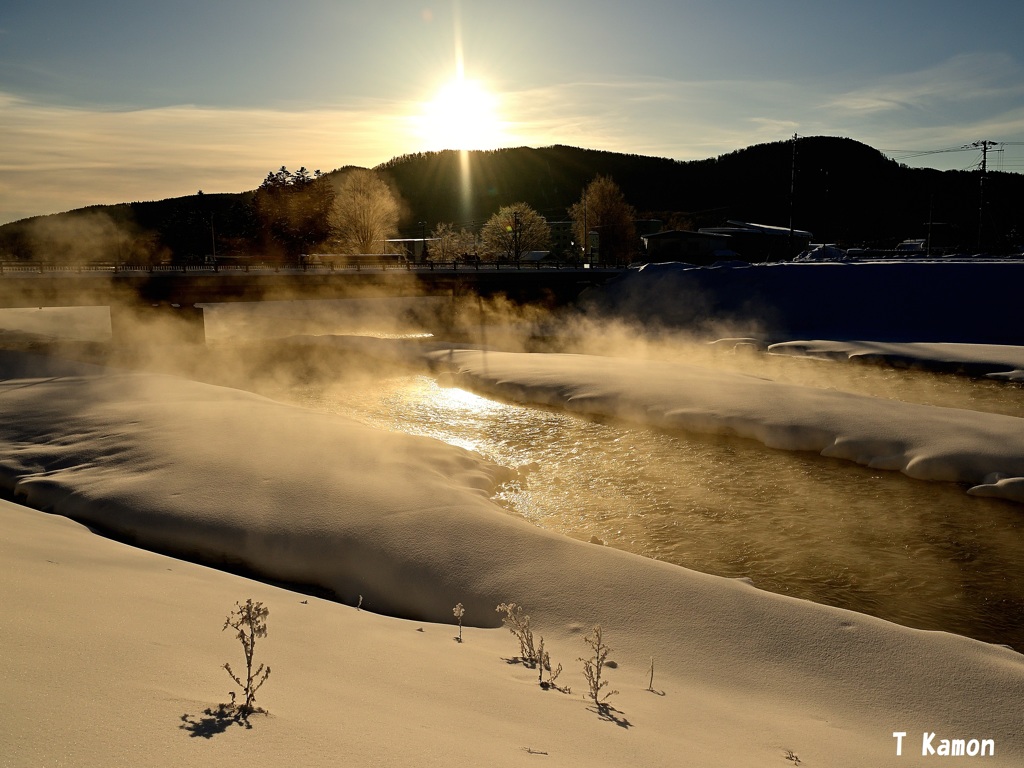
906 154
985 147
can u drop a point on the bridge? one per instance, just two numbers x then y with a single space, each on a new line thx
143 300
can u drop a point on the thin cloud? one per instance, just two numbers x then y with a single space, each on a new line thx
961 79
683 120
689 120
54 158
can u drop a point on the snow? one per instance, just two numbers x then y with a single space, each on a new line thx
227 477
823 253
113 653
152 459
999 487
922 441
996 361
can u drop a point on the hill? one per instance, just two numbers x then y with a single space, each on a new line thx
842 190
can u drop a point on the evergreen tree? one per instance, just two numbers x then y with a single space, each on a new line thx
293 210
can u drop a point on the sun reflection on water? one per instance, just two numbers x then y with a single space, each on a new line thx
921 554
463 400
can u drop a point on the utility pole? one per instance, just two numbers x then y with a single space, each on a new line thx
213 243
931 215
586 234
984 146
792 195
515 235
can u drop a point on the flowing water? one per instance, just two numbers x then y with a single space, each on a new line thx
921 554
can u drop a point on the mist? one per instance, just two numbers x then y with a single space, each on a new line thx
575 460
250 343
86 237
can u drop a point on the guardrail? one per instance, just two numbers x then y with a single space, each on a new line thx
40 267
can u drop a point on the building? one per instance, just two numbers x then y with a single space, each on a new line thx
416 249
562 242
762 242
698 248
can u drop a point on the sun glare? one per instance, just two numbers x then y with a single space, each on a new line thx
462 115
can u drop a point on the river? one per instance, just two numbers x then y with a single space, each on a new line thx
921 554
917 553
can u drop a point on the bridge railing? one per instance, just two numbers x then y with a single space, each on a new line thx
24 268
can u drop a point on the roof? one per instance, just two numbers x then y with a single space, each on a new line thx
761 229
682 234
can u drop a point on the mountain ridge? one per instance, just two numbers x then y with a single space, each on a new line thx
840 189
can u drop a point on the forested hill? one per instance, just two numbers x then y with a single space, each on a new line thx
550 179
842 191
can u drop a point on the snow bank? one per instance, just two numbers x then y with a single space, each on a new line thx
113 658
924 442
235 479
1000 487
997 361
940 301
231 478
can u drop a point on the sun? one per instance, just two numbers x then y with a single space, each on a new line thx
463 114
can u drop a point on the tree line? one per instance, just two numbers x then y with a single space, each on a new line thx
293 214
302 213
842 191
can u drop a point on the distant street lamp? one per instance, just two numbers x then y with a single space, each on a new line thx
213 243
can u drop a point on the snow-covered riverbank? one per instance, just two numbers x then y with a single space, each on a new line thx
115 653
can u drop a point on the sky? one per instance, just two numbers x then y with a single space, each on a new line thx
105 101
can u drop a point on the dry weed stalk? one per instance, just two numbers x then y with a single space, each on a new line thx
593 669
544 665
519 625
459 612
249 622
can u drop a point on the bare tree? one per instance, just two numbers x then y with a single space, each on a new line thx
448 244
365 213
603 209
514 230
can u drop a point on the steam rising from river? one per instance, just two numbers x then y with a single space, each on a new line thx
918 553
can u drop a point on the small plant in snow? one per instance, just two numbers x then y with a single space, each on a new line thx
459 612
249 622
593 668
544 665
519 625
